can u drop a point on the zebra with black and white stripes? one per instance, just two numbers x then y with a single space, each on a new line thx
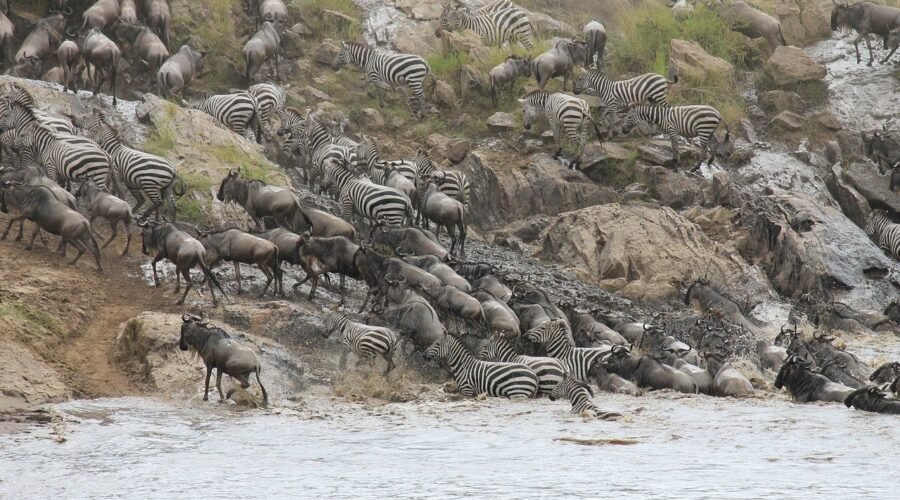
884 232
389 69
358 194
239 112
698 121
146 176
474 377
270 100
316 143
555 337
649 88
495 23
549 371
398 174
453 183
365 341
20 95
581 396
564 113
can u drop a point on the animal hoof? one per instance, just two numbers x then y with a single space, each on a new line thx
205 398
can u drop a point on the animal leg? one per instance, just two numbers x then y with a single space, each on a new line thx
80 247
206 390
265 394
342 289
237 275
153 265
188 284
343 361
673 137
8 227
219 385
127 237
21 229
33 235
269 277
115 232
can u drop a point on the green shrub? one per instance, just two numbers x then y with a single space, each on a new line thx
325 27
213 28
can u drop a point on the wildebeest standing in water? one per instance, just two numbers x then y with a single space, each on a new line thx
866 18
221 352
871 398
806 386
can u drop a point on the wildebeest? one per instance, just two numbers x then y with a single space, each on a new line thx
559 60
506 73
39 205
238 247
30 68
407 240
586 329
727 380
144 42
866 17
647 371
806 386
7 37
157 15
259 199
321 223
871 398
128 11
321 255
46 32
490 284
101 52
437 207
220 351
441 271
166 241
262 46
455 302
68 55
892 43
595 43
838 365
883 147
701 377
709 300
102 204
771 357
100 14
754 23
272 11
374 268
500 318
177 72
886 373
414 316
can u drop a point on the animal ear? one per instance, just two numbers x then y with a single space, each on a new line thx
522 101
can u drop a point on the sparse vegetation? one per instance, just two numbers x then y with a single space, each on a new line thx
212 27
334 27
24 315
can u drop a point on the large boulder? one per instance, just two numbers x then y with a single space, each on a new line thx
326 52
688 59
501 121
652 248
509 188
853 204
416 38
548 25
453 42
419 10
873 185
792 65
776 101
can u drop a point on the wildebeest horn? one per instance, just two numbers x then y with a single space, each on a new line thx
401 254
67 11
72 32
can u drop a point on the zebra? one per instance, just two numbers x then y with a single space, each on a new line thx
581 396
648 88
475 377
495 23
385 68
238 112
556 338
885 232
146 176
270 99
563 112
369 200
23 97
317 145
453 183
66 157
398 174
363 340
549 371
687 121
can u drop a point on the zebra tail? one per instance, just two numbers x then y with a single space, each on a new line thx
673 80
179 181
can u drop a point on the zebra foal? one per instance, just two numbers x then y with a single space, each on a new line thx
367 342
474 377
581 397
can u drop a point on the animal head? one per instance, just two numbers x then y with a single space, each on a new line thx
188 321
440 349
529 112
793 366
343 56
149 235
230 187
450 19
869 394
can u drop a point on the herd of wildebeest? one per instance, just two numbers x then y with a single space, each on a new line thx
497 334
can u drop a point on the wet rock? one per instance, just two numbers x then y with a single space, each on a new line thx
501 121
788 121
444 95
453 42
675 189
851 143
26 379
326 52
833 152
779 100
688 59
370 118
420 11
740 156
471 79
852 203
625 242
792 65
300 29
875 187
511 189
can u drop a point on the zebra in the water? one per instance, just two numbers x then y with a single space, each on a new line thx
549 371
474 377
687 121
494 23
884 232
65 157
270 100
555 337
358 194
146 176
453 183
365 341
390 69
581 397
649 88
564 113
239 112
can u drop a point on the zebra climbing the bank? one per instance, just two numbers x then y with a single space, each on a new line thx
581 397
270 100
453 183
239 112
367 342
557 341
146 176
884 232
649 88
475 377
358 194
564 113
317 144
495 23
686 121
383 68
549 371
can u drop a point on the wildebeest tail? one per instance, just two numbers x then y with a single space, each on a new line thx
781 36
95 248
212 278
